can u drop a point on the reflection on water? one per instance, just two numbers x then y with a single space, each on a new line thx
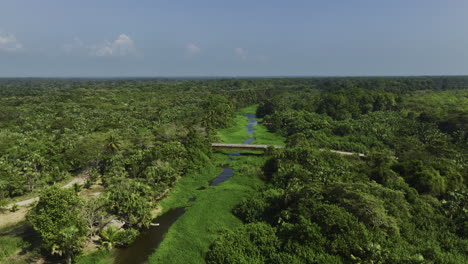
224 176
148 240
251 124
228 172
249 140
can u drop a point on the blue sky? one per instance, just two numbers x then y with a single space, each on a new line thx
102 38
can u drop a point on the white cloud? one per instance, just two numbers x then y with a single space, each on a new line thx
192 49
122 46
9 43
76 45
241 52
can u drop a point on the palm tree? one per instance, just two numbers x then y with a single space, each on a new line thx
113 145
110 236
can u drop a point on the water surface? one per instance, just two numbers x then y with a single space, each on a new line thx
148 240
228 172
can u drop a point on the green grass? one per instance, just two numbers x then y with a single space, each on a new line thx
187 185
96 257
249 109
237 133
263 136
9 246
190 236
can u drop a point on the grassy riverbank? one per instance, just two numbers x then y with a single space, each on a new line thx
189 237
237 132
102 256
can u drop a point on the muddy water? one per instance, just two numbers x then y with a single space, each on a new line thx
148 240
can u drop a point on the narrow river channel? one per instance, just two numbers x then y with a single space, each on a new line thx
228 172
149 239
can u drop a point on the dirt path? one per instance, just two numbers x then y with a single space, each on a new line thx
10 218
80 179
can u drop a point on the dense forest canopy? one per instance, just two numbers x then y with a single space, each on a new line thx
406 201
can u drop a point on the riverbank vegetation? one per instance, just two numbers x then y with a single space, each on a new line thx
211 213
144 140
404 202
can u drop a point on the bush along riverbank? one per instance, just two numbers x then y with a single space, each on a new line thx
209 208
194 213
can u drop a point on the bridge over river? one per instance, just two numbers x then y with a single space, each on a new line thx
265 147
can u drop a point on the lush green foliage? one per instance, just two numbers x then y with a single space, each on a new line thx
405 202
112 236
57 218
190 236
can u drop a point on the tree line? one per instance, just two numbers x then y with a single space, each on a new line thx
404 202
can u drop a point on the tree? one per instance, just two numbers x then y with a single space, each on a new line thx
218 112
113 145
113 236
58 220
96 214
130 200
252 243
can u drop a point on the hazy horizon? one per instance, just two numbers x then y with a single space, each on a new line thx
244 39
230 77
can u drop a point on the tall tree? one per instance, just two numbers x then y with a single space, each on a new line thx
58 220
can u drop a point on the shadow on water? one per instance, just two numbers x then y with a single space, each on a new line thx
148 240
235 154
224 176
253 154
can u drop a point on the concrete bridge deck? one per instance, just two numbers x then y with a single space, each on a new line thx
265 147
242 146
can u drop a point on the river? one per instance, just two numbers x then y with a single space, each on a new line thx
149 239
